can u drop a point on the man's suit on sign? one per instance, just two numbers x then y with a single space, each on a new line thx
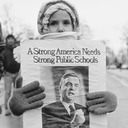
55 115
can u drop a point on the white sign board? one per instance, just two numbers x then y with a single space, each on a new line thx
47 61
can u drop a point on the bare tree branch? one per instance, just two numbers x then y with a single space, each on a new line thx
12 26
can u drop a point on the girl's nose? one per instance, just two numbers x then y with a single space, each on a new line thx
60 28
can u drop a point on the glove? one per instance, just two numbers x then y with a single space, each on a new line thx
101 102
19 82
26 98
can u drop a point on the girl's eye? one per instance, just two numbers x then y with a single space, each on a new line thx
67 22
52 23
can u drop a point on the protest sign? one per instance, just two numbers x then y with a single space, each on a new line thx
47 62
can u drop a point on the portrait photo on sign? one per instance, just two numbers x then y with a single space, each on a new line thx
66 88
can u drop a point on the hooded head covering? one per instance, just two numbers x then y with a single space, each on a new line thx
49 8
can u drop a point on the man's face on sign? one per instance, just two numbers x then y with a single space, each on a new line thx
69 88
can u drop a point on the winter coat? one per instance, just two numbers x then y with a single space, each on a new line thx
9 63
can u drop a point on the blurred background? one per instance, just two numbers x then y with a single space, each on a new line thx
105 20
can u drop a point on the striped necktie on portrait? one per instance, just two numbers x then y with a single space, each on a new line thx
72 111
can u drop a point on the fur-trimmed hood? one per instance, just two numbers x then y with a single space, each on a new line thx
47 9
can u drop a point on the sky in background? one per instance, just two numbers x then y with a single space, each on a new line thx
106 18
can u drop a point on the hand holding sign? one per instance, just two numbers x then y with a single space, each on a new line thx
101 102
26 98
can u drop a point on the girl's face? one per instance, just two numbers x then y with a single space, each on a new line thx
60 21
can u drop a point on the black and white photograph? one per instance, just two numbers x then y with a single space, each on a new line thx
68 107
63 64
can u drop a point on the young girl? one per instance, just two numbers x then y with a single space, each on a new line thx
59 20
